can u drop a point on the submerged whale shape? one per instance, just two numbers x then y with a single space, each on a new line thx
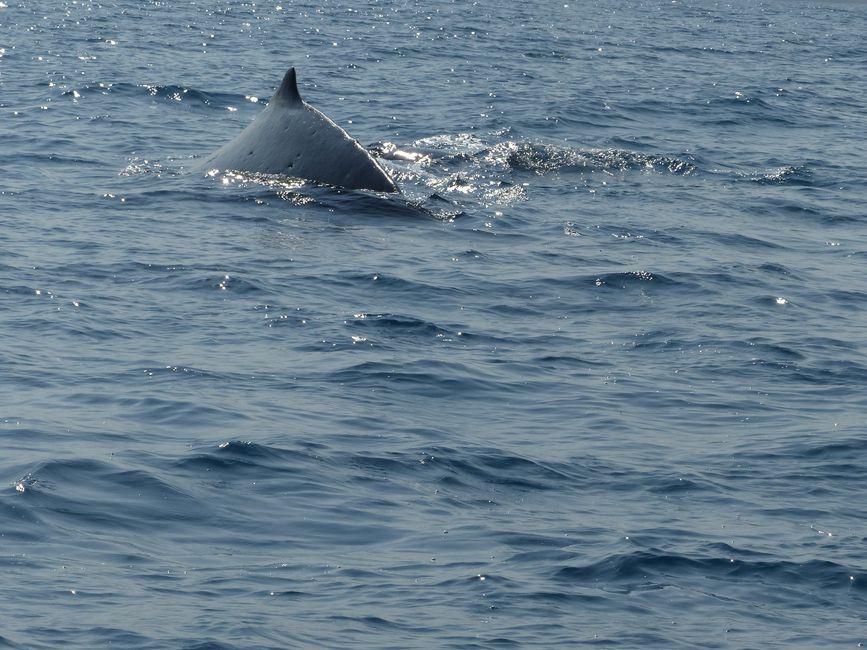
292 138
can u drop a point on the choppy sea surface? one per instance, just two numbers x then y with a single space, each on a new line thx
596 377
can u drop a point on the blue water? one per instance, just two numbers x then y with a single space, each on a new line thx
596 378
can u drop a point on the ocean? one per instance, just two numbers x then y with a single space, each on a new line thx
596 376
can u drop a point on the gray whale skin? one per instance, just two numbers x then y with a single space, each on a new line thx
292 138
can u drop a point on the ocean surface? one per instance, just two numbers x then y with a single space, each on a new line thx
596 377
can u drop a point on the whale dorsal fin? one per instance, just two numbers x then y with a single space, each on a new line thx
291 138
288 93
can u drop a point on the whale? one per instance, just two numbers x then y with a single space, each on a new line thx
292 138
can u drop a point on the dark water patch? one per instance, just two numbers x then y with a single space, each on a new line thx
511 309
566 362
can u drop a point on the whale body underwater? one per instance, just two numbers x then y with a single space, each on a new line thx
292 138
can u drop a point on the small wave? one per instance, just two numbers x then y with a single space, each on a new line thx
401 285
776 269
189 97
848 373
479 468
741 99
738 241
780 353
173 372
677 484
48 157
845 449
496 467
244 456
176 411
98 494
401 325
641 568
796 176
338 518
192 97
428 378
97 88
740 109
211 645
627 279
183 278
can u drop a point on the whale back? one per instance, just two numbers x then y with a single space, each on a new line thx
292 138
